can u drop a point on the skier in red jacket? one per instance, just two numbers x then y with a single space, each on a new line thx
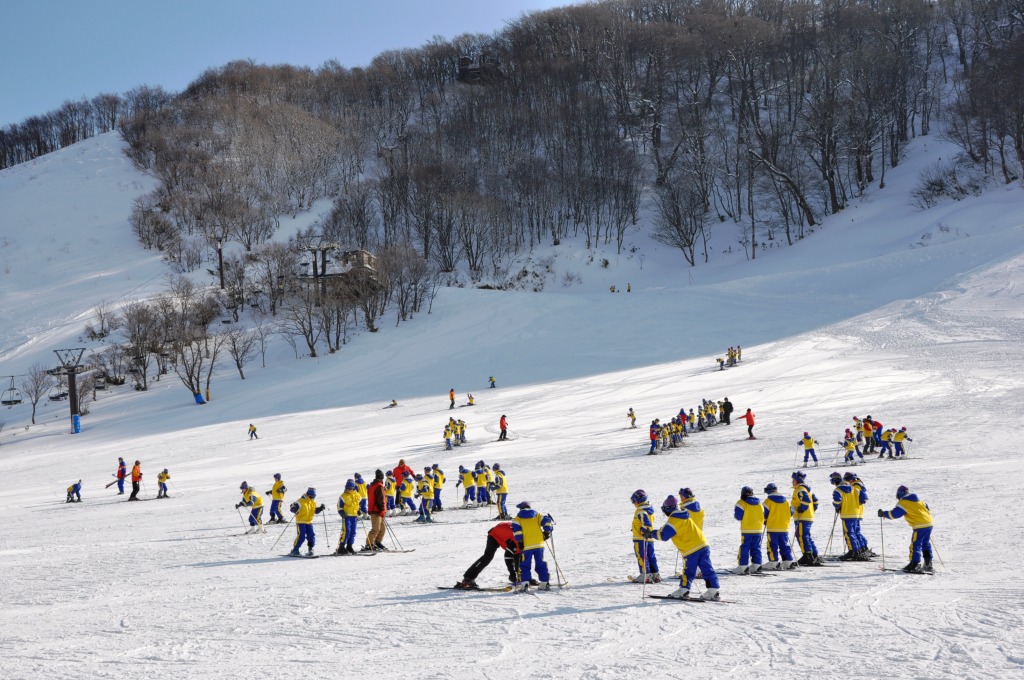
749 418
503 425
401 469
377 507
500 536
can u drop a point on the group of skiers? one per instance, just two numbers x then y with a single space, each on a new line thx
866 435
708 414
733 356
771 518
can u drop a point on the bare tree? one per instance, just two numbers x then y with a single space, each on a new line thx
106 321
241 345
36 384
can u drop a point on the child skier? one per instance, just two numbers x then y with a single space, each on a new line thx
809 443
750 514
690 542
161 482
919 517
643 548
348 508
276 494
804 503
531 530
305 510
254 502
777 515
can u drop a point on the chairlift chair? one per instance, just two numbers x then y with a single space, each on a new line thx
11 396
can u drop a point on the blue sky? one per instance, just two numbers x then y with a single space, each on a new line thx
55 50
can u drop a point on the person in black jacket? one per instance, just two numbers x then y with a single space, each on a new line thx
727 411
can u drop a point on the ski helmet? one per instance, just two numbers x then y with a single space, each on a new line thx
426 469
850 476
311 492
686 492
462 468
771 488
525 505
903 429
746 492
419 477
807 434
349 485
277 475
799 476
670 505
244 486
901 492
835 478
639 496
358 476
434 466
165 472
389 473
496 467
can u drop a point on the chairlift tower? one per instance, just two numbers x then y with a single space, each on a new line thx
70 360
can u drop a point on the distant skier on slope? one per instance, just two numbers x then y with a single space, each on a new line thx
136 481
75 492
161 483
809 443
748 418
468 481
438 478
726 411
690 542
500 487
451 397
897 440
122 472
252 432
919 517
503 426
632 419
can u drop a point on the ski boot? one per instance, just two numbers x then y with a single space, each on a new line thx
379 547
309 553
928 566
365 548
340 551
543 586
469 584
786 565
742 570
913 568
710 594
680 594
819 561
770 566
521 587
656 577
756 568
807 559
294 552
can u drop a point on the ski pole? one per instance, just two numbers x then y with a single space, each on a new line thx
828 548
391 532
554 558
327 534
881 527
240 516
282 531
643 588
936 549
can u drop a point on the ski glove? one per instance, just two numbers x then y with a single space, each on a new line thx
881 513
547 535
320 508
237 506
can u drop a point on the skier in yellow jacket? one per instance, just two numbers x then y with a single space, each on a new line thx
777 516
750 514
254 502
919 517
276 493
305 510
690 542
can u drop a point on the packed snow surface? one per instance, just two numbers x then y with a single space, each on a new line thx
915 318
